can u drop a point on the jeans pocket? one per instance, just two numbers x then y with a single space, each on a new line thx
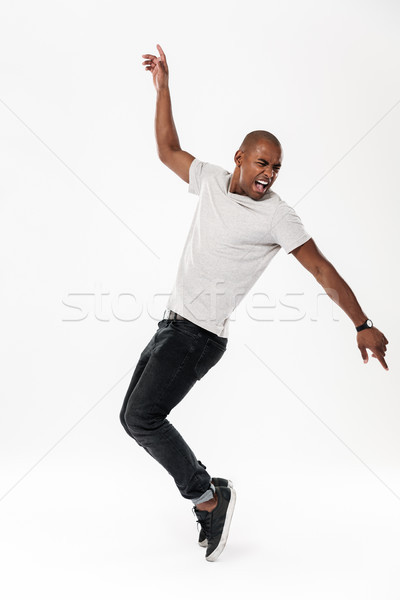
186 328
211 354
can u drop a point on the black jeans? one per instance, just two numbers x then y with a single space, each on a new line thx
179 354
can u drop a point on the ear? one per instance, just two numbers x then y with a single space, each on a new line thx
238 158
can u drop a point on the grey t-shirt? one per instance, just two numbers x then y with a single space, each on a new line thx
231 241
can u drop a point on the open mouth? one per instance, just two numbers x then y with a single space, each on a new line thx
261 185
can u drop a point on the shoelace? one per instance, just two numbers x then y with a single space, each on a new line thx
204 522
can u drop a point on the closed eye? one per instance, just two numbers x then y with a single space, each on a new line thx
276 167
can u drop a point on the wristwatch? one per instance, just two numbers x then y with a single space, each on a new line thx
367 325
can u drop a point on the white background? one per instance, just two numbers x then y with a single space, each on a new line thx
91 219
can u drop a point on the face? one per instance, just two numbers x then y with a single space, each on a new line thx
260 163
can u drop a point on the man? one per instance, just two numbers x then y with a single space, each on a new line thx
238 226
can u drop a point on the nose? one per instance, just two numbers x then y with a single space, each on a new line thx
268 171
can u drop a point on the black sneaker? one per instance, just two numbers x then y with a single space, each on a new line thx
221 483
217 522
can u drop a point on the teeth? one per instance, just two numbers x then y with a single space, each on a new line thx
263 182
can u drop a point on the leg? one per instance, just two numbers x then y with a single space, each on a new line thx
168 368
143 359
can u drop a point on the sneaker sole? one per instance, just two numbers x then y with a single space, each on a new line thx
225 532
203 544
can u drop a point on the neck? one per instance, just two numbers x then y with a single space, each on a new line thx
234 187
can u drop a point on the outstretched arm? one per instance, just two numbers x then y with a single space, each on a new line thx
337 289
168 146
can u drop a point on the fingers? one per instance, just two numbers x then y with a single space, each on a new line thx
379 354
150 61
382 361
364 353
384 341
376 344
161 51
153 60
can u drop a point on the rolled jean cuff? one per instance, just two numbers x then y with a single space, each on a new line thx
208 495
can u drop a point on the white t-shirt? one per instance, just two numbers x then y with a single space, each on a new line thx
231 241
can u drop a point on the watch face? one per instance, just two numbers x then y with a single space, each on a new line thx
369 322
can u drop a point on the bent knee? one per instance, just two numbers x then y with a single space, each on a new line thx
139 422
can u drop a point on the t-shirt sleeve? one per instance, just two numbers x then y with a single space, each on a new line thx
287 228
198 172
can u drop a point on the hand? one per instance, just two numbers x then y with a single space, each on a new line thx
158 68
375 341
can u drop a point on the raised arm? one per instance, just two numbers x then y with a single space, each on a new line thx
168 147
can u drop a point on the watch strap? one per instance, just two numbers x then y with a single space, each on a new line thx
366 325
